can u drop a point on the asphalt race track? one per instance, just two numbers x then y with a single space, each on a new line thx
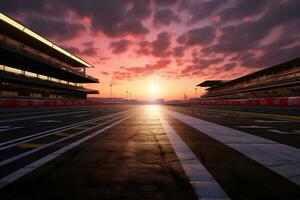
147 152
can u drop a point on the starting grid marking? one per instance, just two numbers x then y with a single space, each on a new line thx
281 159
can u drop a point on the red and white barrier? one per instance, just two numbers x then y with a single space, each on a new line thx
275 102
272 101
13 103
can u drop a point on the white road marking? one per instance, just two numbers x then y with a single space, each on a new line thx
48 121
280 158
51 115
253 126
34 165
83 115
11 159
241 116
204 184
268 121
295 132
1 127
28 138
12 128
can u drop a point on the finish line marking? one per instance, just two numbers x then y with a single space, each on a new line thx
205 186
280 158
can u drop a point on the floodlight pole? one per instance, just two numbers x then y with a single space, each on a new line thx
110 90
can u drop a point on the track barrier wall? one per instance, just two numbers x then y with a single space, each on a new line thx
272 102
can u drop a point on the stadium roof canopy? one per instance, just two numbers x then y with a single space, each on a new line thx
210 83
21 33
264 72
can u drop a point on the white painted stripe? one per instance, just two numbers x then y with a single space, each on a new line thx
83 115
282 159
4 127
28 138
12 128
269 121
34 165
253 126
48 121
205 186
51 115
295 132
14 158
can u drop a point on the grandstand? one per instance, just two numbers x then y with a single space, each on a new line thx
282 80
35 68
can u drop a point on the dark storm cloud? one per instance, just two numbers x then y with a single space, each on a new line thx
29 7
202 9
164 17
148 69
228 66
157 48
165 2
242 9
87 50
198 36
200 64
49 27
120 46
73 50
112 17
140 9
250 33
178 51
161 45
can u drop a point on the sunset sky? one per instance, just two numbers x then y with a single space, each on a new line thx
163 48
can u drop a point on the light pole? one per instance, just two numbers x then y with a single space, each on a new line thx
110 90
196 95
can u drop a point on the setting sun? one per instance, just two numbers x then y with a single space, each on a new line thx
154 90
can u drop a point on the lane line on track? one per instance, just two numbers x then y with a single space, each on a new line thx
12 128
269 121
51 115
48 121
254 126
253 114
280 158
28 138
294 132
36 164
205 186
39 147
82 115
41 111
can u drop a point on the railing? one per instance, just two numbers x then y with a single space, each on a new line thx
288 76
53 61
37 76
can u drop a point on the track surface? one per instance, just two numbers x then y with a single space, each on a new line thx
147 152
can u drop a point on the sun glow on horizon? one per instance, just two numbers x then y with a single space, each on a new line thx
154 90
